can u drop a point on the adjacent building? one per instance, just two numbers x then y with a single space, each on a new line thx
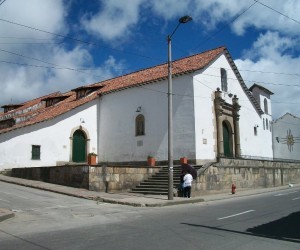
286 138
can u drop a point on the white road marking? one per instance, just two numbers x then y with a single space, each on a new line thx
286 193
296 199
4 200
249 211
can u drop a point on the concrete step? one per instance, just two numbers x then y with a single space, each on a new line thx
163 178
151 189
151 192
159 184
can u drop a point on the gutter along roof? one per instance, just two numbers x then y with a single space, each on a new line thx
35 111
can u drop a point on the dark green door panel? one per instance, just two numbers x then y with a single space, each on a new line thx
227 141
79 146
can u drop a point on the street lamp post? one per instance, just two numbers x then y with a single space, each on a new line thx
181 20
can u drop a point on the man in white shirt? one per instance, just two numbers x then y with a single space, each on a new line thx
187 185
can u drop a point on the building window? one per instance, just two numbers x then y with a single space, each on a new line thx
139 125
223 79
264 123
36 152
81 93
266 105
255 130
267 124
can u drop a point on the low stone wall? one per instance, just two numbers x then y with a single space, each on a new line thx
97 178
245 174
72 176
212 177
118 178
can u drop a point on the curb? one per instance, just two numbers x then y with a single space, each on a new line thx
145 203
5 214
125 199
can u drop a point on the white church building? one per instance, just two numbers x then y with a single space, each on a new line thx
125 119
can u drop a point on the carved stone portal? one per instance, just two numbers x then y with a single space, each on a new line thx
228 131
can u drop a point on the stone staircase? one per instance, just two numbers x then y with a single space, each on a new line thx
157 184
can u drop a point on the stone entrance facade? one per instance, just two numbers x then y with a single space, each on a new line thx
227 115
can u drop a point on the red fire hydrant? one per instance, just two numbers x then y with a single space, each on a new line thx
233 187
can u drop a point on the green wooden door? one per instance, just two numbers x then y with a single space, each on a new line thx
227 141
79 146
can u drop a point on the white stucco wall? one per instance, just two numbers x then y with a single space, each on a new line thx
117 140
282 128
205 84
193 119
53 136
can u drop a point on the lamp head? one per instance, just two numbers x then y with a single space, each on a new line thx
185 19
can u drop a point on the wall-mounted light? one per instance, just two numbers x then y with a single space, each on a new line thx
230 95
82 120
256 126
139 109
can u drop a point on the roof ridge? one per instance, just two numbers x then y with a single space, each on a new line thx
161 64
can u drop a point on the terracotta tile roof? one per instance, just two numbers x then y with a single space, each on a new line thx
149 75
160 72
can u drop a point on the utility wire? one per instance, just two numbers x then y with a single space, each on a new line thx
260 71
35 59
224 26
280 13
75 39
2 2
83 70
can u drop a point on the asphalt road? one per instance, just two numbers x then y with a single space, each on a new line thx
46 220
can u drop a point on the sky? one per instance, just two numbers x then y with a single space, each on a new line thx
58 45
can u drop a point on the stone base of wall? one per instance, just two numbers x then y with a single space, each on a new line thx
212 177
245 174
72 176
118 178
97 178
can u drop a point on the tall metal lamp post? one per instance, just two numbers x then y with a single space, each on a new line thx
181 20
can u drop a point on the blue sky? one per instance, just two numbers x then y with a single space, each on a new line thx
56 45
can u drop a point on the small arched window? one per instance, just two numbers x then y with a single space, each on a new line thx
140 125
223 79
266 105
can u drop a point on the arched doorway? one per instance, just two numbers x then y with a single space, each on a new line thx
227 139
79 146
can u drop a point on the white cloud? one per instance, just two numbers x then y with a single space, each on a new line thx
115 20
269 63
168 9
271 45
46 15
18 80
267 17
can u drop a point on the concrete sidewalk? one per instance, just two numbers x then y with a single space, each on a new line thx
130 199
